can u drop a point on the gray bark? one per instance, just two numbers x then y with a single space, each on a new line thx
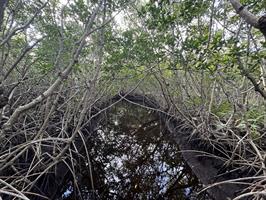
3 4
251 19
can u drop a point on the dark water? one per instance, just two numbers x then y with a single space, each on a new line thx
133 156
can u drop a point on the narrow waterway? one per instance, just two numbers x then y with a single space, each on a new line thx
133 156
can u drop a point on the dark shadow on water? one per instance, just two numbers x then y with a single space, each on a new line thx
132 156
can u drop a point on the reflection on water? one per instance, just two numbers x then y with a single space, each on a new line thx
133 156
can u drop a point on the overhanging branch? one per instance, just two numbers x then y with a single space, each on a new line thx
250 18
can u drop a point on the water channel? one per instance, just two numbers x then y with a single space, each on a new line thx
133 156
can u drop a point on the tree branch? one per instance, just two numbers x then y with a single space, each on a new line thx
250 18
3 4
259 23
24 52
245 14
21 28
252 79
62 76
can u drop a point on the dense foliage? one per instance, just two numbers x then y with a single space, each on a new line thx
200 59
